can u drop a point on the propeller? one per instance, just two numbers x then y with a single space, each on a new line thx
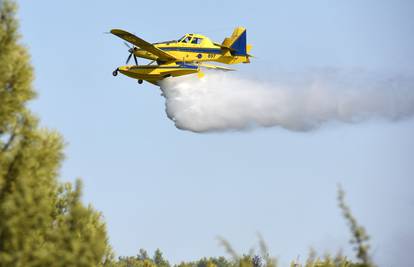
131 53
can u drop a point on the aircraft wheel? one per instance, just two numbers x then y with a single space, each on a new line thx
115 72
140 81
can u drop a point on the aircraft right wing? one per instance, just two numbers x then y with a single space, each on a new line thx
133 39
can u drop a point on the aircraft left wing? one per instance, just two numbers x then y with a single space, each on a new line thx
133 39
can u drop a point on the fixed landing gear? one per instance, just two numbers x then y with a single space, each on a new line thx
115 72
140 81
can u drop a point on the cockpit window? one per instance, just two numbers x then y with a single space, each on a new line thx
181 39
185 39
196 40
188 39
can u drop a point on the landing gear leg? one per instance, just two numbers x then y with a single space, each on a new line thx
115 72
140 81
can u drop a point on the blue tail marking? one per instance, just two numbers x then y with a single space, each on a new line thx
239 46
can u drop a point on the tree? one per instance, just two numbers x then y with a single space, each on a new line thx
42 222
143 254
159 259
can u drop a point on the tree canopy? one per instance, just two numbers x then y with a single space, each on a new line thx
42 221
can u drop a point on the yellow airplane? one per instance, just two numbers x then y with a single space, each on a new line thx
182 57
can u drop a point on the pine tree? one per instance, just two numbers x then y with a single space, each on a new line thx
42 222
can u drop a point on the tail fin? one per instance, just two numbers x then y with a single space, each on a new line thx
237 42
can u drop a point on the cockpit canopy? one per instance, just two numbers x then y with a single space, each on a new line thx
191 39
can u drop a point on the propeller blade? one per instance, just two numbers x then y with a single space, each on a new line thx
127 45
135 59
129 57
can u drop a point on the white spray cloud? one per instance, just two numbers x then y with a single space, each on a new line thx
225 101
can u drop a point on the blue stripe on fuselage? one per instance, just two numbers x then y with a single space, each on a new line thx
179 66
191 49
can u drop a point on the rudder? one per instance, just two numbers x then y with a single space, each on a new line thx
237 42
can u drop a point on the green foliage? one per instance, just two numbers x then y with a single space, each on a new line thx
263 259
16 73
359 236
143 254
159 259
208 262
143 260
243 261
42 223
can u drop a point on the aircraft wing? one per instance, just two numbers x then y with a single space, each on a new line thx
129 37
208 66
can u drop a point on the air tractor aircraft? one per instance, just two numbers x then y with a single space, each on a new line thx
182 57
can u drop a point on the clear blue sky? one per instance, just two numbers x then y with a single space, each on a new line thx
161 187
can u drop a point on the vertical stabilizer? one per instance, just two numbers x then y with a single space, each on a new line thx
237 42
